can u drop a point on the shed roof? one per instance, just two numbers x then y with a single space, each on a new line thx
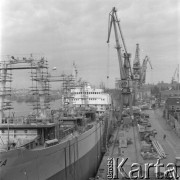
173 101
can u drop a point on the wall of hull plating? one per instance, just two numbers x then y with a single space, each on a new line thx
77 159
82 169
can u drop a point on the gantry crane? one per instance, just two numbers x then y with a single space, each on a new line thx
124 62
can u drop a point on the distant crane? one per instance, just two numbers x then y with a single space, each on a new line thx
75 71
136 74
176 72
136 65
143 70
174 75
124 62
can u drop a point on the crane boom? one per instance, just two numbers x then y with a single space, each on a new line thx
175 72
124 62
119 26
143 69
125 70
113 20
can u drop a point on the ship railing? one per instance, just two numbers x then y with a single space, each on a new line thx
30 145
23 120
13 120
66 132
33 143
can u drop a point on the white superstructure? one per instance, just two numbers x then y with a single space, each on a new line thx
91 97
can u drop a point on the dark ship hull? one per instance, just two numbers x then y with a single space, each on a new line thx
75 159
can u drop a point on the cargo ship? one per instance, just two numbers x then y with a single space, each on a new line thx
65 144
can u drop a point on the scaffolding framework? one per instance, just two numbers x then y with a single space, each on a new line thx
39 74
40 88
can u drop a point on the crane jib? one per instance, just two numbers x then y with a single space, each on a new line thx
123 58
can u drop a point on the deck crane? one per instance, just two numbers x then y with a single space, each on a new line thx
143 69
124 62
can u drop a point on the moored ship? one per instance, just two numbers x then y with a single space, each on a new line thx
63 144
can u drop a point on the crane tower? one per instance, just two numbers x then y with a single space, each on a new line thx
124 61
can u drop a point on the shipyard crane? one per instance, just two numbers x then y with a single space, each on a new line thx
124 62
136 74
136 65
174 75
143 69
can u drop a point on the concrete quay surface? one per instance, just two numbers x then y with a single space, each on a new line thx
171 146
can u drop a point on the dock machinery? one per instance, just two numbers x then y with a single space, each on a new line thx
136 74
143 70
124 62
173 81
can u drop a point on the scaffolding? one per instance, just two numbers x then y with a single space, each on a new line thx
39 74
68 83
84 95
40 89
5 90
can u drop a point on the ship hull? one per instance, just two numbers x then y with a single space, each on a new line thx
76 159
83 169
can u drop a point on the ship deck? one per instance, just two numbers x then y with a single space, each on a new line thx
27 126
67 138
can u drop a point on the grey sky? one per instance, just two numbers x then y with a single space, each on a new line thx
76 30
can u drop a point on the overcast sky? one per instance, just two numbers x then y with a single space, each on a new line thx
67 31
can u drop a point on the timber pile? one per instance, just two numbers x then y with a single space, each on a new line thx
150 147
158 148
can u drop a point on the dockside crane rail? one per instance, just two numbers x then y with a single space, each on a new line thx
126 76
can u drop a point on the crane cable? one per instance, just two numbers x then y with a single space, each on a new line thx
152 77
108 59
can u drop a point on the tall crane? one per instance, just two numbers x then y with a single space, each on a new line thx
136 65
143 69
176 74
136 74
124 61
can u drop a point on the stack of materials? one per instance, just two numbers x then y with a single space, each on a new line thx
149 155
147 152
145 147
158 148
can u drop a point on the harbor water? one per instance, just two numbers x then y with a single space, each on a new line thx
24 108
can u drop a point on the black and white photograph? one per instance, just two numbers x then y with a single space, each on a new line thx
89 89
